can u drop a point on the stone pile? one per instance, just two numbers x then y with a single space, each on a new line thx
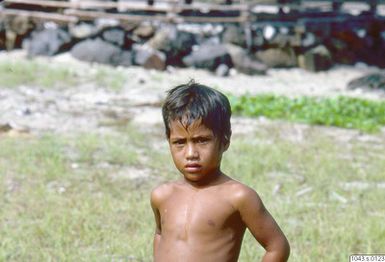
217 48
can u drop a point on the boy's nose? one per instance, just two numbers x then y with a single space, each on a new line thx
191 153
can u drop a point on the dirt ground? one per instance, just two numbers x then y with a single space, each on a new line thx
89 107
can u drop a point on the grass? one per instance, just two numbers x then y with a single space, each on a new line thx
77 196
32 72
49 75
346 112
61 201
329 222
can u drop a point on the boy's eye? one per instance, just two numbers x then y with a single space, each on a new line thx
178 142
202 140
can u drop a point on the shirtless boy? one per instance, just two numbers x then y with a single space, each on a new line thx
203 216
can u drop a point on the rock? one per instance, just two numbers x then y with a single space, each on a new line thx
82 30
374 81
222 70
209 56
244 63
144 31
277 57
234 35
20 25
90 51
103 23
174 43
149 58
280 40
11 130
309 39
269 32
125 59
316 59
5 127
16 28
115 36
48 42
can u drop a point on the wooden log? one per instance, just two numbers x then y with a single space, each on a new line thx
164 18
90 15
158 5
59 18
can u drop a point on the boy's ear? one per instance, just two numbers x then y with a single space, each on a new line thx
226 145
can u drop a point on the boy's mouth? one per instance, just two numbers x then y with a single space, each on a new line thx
192 168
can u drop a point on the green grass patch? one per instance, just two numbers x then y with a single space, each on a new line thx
61 202
326 221
61 199
345 112
32 72
57 75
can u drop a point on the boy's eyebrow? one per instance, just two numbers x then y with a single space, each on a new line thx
203 136
194 137
177 138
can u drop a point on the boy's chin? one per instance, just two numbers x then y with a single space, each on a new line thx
193 177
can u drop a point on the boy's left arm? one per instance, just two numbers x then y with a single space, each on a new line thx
263 226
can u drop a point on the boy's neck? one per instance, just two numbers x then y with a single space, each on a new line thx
214 179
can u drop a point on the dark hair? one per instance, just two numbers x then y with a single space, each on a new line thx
192 101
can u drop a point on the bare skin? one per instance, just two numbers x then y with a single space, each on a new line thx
203 217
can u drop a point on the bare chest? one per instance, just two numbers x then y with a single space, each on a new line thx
200 214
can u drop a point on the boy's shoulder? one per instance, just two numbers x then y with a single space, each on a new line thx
164 191
241 194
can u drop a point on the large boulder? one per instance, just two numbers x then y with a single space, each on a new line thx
208 56
174 43
316 59
115 36
277 57
374 81
48 42
100 51
149 58
234 35
82 30
245 63
144 31
17 28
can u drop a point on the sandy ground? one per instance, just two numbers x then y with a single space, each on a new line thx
89 107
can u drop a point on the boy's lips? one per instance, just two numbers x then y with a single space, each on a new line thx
191 168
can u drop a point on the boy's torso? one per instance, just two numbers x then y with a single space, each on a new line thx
200 224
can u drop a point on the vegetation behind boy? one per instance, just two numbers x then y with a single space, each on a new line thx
203 216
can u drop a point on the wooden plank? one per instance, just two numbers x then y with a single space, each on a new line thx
59 18
139 18
158 5
90 15
48 3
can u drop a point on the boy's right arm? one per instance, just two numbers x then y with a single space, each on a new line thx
155 202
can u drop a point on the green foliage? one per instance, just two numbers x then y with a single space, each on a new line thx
346 112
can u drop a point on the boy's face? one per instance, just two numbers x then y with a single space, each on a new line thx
196 151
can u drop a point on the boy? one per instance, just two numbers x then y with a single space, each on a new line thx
203 216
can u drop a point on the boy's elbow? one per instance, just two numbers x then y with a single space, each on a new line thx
280 251
284 249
